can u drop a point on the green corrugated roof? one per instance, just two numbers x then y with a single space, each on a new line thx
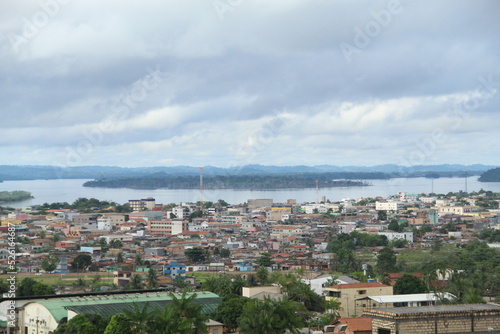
108 305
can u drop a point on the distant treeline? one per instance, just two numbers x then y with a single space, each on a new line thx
240 181
492 175
14 196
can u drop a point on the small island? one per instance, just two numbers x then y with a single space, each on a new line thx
14 196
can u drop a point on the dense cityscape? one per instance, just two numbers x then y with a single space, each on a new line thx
249 167
323 266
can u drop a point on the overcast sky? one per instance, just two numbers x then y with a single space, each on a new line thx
233 82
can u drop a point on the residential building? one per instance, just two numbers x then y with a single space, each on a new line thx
468 318
347 294
142 204
388 206
174 269
408 236
168 227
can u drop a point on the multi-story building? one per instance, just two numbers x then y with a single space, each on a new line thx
181 212
232 219
107 221
168 227
174 269
142 204
454 210
388 206
408 236
347 294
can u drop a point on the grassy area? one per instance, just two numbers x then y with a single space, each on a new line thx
56 279
202 276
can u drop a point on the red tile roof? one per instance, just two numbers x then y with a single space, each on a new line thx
357 324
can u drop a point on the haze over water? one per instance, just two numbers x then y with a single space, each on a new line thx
69 190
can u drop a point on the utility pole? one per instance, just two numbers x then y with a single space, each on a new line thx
466 182
201 189
317 192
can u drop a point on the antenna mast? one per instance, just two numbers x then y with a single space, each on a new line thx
201 188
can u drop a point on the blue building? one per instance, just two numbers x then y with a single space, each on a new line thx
174 269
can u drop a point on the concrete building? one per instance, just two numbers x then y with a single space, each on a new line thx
347 294
468 318
174 269
168 227
454 210
408 236
259 203
388 206
142 204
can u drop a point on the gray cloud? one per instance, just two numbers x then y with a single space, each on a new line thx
71 93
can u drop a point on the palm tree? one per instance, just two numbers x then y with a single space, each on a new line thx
189 309
152 278
270 317
168 321
139 318
135 282
119 258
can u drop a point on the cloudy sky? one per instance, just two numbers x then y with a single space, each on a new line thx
233 82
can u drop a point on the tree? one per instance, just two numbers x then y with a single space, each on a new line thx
49 264
263 275
225 253
135 282
119 324
393 225
30 287
196 255
381 215
138 260
409 284
119 258
83 324
152 278
117 244
195 214
265 260
82 262
139 317
229 311
386 260
269 317
188 309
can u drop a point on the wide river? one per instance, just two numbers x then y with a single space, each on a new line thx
69 190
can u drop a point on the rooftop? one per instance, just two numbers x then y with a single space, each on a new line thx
395 311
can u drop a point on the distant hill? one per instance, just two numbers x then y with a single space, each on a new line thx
17 172
492 175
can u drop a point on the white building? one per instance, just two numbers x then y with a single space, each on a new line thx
388 206
398 235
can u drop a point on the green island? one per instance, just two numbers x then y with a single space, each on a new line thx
14 196
492 175
252 182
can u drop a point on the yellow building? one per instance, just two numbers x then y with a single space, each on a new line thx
347 294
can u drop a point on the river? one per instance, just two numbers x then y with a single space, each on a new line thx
69 190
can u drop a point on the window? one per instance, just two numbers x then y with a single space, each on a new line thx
361 292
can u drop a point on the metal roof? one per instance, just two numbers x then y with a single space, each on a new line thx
417 297
113 304
440 308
